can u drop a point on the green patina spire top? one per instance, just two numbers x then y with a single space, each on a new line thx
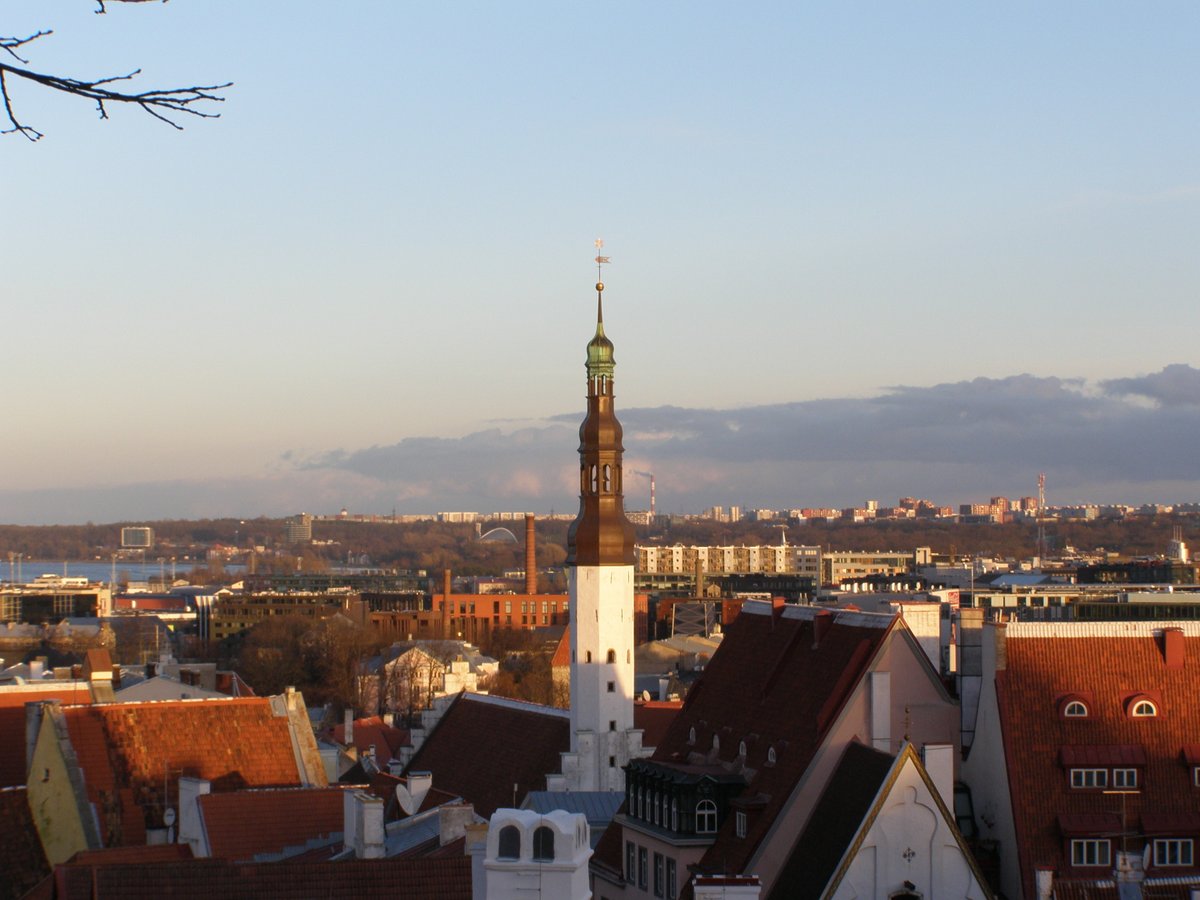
600 349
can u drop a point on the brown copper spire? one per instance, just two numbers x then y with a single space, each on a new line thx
600 534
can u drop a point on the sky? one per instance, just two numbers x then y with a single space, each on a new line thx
858 250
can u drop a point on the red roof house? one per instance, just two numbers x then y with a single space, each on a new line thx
103 776
1086 747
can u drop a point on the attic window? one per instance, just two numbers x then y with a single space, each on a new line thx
692 735
1076 709
716 742
770 756
1143 709
742 749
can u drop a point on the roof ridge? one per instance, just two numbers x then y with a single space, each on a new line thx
1127 629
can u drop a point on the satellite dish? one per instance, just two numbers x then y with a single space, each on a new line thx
169 817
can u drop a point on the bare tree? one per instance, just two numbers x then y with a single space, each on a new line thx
162 103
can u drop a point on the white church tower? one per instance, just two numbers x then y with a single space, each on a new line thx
600 559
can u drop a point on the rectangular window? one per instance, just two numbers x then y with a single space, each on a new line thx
630 861
1089 778
740 823
612 687
1125 778
1172 852
508 607
1090 852
659 875
671 888
1196 776
643 866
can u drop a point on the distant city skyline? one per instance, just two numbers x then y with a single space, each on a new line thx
1127 440
855 252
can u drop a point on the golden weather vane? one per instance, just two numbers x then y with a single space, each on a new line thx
600 261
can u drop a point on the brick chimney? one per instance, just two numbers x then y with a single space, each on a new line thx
1173 647
446 583
531 580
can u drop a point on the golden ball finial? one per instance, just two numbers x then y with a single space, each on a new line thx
599 286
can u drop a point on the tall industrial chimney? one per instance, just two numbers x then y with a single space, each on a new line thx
446 582
530 556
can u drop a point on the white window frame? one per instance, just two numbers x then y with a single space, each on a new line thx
672 888
1075 709
1089 778
739 823
1091 852
1148 709
706 817
1173 851
1125 778
631 862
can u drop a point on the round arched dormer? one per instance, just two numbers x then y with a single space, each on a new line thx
543 844
509 845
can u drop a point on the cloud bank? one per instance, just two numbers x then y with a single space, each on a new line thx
1129 440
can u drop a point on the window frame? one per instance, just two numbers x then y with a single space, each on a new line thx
1126 779
659 875
672 880
630 862
1148 708
706 815
1075 705
1080 854
643 867
1080 778
1163 846
739 823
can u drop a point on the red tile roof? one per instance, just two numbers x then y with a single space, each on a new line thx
772 685
654 717
483 746
209 879
22 862
126 750
1107 661
374 732
242 825
12 722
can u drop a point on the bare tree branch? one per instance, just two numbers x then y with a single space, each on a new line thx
161 103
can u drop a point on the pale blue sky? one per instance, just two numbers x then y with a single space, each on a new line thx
388 232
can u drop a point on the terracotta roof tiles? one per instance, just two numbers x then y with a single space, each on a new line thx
1108 662
772 684
483 746
126 749
22 862
12 722
243 825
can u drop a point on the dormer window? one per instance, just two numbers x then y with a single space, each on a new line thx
770 756
1089 778
716 742
692 735
1075 709
742 749
1143 709
706 817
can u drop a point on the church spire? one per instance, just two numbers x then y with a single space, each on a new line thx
600 534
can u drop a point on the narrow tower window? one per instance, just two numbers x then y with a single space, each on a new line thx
607 478
612 656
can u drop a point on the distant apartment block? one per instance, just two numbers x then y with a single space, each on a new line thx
848 565
768 558
51 598
137 537
298 529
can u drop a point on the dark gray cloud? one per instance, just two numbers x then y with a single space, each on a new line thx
1123 440
1175 385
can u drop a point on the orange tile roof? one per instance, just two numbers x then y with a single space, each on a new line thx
12 723
242 825
1108 664
126 750
22 862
